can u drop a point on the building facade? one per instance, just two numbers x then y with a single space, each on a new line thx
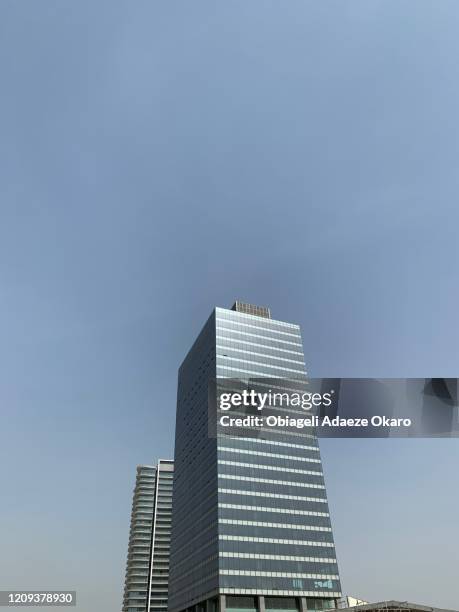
147 570
251 528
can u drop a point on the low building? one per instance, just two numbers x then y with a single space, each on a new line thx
347 601
395 606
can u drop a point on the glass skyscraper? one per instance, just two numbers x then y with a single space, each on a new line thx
251 528
147 570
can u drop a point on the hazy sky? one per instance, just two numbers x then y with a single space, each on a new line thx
160 158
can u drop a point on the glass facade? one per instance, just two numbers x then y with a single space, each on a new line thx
147 568
250 515
194 545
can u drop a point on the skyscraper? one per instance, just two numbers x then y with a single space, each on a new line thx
250 529
147 569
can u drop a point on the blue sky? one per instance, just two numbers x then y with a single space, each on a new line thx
157 159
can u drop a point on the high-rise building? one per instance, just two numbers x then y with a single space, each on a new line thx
251 529
147 569
139 549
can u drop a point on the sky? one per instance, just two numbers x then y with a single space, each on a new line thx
158 159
